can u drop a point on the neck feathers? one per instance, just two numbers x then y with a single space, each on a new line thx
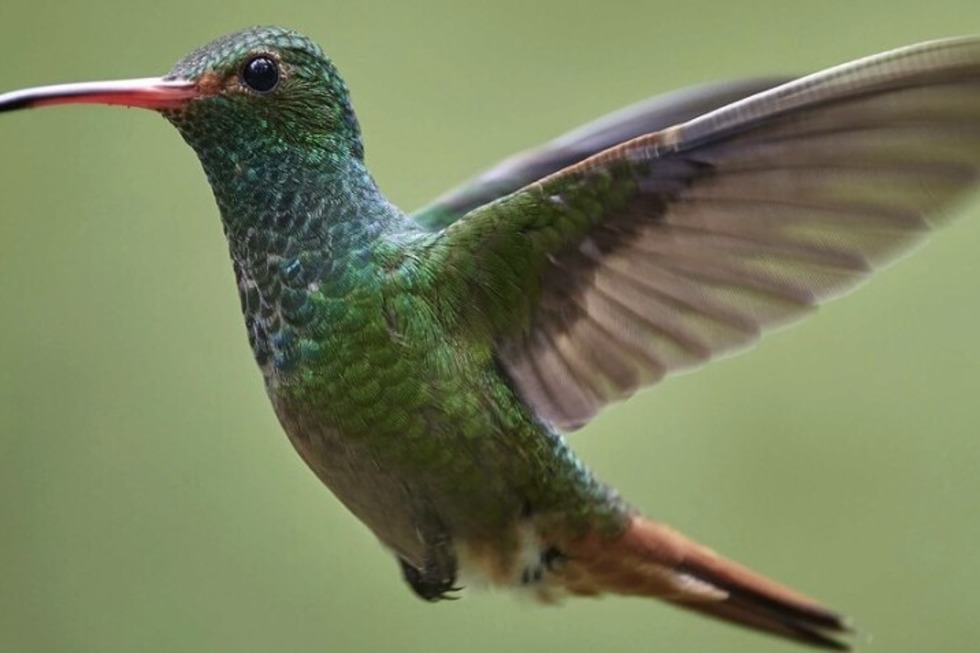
302 237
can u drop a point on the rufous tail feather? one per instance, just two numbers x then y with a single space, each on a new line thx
651 559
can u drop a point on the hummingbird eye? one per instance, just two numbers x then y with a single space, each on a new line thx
260 74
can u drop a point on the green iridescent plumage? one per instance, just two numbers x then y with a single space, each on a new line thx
423 365
365 344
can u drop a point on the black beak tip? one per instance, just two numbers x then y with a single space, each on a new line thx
14 103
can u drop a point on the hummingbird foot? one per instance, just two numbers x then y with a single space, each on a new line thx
431 583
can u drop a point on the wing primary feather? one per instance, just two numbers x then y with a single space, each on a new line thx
658 253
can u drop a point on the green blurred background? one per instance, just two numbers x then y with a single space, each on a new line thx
148 499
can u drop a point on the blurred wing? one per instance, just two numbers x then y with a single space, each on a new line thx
642 118
676 247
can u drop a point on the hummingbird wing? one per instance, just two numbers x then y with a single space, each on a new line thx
659 254
635 120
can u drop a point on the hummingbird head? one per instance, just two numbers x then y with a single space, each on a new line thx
255 92
272 124
264 89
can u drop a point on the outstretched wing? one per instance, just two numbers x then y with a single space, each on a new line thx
659 254
642 118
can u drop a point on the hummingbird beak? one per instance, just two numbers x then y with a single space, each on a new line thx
149 93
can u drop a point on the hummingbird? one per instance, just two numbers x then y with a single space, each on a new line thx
426 366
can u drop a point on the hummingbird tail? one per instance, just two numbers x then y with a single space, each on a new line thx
651 559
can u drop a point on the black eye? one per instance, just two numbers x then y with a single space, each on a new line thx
261 74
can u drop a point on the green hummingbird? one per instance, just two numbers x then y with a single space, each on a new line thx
425 365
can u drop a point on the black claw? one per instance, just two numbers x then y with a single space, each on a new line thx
428 587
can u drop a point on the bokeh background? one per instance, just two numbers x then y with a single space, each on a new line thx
149 501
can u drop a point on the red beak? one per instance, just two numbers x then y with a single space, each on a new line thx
148 93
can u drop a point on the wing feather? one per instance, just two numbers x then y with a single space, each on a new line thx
568 149
661 253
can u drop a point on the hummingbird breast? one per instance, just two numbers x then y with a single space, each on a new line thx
417 431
